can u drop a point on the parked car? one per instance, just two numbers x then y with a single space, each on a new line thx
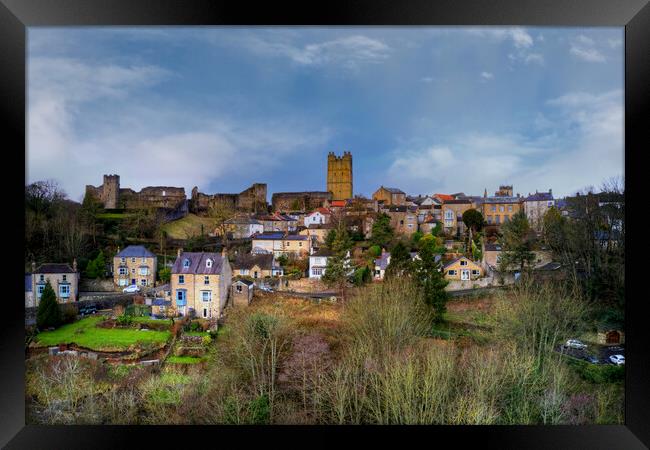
87 310
265 288
574 343
132 288
592 359
619 360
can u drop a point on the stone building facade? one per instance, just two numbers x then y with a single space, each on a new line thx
112 196
252 199
63 279
300 201
134 265
339 175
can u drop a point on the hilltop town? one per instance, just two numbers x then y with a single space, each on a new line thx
185 269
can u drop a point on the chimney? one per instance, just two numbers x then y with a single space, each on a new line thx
118 249
550 191
74 265
33 267
178 252
223 251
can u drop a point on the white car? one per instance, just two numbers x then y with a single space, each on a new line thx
617 359
132 288
574 343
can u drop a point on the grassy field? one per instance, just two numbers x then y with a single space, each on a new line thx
188 226
112 216
85 334
184 360
150 320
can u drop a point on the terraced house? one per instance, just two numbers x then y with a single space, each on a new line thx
200 283
134 265
279 243
63 279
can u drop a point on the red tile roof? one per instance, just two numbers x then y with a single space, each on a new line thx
338 203
444 197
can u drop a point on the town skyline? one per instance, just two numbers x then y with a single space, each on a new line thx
433 110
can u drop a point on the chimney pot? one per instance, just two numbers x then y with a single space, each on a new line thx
74 264
178 252
33 267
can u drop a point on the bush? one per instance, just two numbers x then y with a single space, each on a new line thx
124 320
374 251
206 341
49 313
598 374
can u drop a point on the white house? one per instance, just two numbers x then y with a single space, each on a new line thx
318 262
383 261
320 216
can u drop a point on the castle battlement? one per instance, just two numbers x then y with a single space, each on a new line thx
339 175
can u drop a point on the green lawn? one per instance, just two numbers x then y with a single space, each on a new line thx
145 319
112 216
184 359
85 334
189 226
196 333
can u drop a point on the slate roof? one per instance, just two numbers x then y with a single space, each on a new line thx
382 261
54 268
269 235
502 199
28 282
458 259
539 197
323 252
296 237
198 263
243 220
393 190
248 283
137 251
247 261
402 208
492 247
457 202
161 302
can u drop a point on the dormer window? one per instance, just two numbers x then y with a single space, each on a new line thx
42 278
186 263
208 263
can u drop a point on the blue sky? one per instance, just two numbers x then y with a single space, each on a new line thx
424 109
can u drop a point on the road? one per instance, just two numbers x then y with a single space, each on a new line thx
602 352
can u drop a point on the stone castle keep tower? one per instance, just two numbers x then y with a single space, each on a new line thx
339 175
111 191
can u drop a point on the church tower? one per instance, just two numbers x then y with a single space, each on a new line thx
339 175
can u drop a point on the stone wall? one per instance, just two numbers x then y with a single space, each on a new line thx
252 199
299 201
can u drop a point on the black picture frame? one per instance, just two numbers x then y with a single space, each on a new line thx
634 15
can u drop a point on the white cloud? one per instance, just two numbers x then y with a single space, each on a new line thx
614 43
349 51
587 54
584 40
535 58
143 143
427 79
521 40
487 75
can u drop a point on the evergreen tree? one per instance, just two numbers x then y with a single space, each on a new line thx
329 239
48 314
400 261
382 232
517 240
339 268
428 275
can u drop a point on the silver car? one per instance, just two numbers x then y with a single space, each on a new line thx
574 343
619 360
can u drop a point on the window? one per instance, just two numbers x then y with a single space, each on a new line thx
549 204
255 274
143 271
451 272
208 263
206 296
143 282
238 287
317 271
494 208
205 313
206 279
42 278
463 263
244 271
64 277
186 263
64 291
123 271
497 219
122 260
410 225
180 295
181 279
39 290
501 208
476 272
133 260
510 208
489 220
123 281
144 259
506 218
449 214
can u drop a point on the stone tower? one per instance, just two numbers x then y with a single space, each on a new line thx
339 175
111 191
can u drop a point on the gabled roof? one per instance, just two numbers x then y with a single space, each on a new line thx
137 251
444 197
198 263
54 268
247 261
392 190
269 235
248 283
539 197
455 260
326 252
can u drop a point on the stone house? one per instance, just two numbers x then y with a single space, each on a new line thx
498 210
318 262
452 214
242 292
428 224
403 219
319 232
134 265
610 335
279 243
161 307
463 269
536 205
256 266
491 253
200 283
242 227
390 196
63 279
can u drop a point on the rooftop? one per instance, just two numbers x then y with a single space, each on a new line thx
137 251
54 268
198 263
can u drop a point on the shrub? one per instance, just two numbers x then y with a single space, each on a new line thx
374 251
598 374
124 320
206 340
49 313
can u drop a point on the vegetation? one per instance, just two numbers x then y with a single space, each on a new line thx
85 333
96 268
382 233
339 267
48 313
188 226
517 239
